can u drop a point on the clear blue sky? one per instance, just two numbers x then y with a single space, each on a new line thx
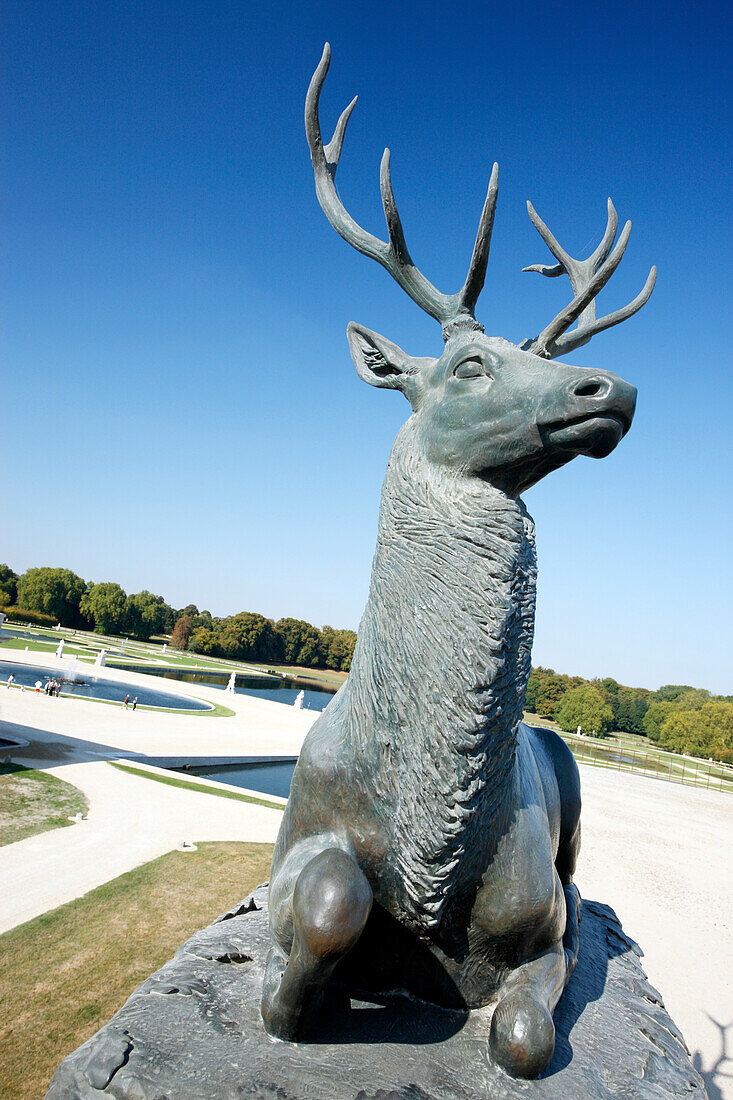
180 411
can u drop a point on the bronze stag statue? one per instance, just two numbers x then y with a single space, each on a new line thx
430 838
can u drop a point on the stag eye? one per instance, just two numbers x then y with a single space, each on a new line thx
469 368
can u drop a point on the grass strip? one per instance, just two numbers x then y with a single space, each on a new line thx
33 801
64 974
217 709
173 781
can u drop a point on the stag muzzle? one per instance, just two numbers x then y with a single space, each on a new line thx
592 414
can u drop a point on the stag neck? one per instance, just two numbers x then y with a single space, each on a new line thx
437 682
453 547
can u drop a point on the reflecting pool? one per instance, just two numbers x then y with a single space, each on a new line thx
97 687
261 687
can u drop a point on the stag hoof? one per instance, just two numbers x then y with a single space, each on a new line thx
280 1024
279 1020
522 1037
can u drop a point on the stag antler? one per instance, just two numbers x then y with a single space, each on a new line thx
586 277
392 254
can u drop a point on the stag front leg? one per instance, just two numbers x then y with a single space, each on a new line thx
331 902
522 1036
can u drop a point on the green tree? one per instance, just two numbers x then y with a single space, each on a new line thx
301 643
608 687
169 618
203 641
692 699
668 693
629 706
337 648
706 731
8 585
683 731
55 592
145 615
249 636
584 706
717 716
105 603
656 715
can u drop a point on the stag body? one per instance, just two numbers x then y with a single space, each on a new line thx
430 838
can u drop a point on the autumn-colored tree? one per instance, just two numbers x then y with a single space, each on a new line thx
181 632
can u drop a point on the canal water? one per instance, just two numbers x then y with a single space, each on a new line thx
265 778
261 687
97 687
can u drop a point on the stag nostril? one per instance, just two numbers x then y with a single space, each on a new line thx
592 388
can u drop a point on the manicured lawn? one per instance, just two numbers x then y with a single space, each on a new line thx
39 645
66 973
34 802
325 676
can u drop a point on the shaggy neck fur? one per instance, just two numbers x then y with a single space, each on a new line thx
440 670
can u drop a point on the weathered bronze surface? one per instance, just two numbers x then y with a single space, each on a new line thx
192 1031
431 837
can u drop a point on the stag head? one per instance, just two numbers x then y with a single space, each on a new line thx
487 407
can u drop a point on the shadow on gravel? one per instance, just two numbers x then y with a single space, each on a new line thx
718 1073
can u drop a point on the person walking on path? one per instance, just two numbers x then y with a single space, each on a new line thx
11 680
126 702
134 703
38 687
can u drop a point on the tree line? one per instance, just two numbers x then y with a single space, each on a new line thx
677 717
54 595
250 636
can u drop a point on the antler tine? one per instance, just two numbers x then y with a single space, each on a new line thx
564 260
585 295
477 269
324 167
572 340
333 149
392 255
608 237
587 278
391 214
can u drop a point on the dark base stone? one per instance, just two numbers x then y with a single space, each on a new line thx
193 1031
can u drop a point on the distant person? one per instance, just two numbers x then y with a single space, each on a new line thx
126 703
11 679
134 703
38 686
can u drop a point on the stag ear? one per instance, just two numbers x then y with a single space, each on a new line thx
380 362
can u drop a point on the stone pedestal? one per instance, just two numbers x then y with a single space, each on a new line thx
193 1031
